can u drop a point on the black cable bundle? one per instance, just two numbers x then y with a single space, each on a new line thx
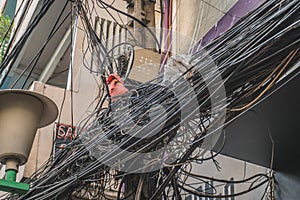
251 58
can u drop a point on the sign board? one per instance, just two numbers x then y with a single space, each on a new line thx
64 134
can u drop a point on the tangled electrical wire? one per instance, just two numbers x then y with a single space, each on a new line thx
146 142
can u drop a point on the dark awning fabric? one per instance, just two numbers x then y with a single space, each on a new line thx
248 138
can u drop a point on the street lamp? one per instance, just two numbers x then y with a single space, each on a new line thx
22 112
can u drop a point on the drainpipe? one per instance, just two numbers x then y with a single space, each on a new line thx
167 33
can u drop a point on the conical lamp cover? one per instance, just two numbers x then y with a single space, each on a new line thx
21 114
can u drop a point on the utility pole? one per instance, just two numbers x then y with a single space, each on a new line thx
143 10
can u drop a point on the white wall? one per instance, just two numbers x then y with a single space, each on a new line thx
230 168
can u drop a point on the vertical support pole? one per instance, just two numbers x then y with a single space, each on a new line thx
11 175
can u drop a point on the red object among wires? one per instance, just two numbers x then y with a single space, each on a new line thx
116 85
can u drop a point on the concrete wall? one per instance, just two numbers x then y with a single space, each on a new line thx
195 17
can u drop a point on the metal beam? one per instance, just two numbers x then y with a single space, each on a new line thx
56 56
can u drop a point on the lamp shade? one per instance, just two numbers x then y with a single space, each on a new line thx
21 114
